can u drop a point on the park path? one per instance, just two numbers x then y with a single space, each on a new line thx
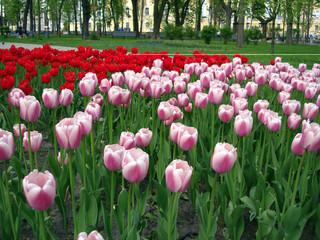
7 45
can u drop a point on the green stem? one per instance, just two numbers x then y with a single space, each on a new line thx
84 166
242 164
93 161
268 155
129 206
174 150
122 117
295 189
30 152
143 109
72 195
222 132
131 111
36 160
211 204
110 124
9 201
111 204
4 205
283 135
153 114
263 147
212 127
287 191
42 224
172 200
20 143
54 134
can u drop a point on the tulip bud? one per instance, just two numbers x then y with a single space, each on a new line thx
225 113
112 157
223 158
127 140
30 108
7 148
143 137
16 130
50 98
68 132
14 97
294 121
66 97
295 146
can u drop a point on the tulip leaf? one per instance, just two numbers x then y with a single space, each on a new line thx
92 210
249 204
291 218
142 203
106 220
54 164
161 198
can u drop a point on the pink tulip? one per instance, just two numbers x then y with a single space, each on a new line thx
284 76
239 104
187 137
165 110
145 70
183 100
94 110
125 96
291 106
39 189
174 131
198 70
173 101
301 85
127 75
143 137
93 77
188 68
223 158
236 61
117 79
50 98
276 84
277 59
66 160
157 63
66 97
243 123
135 165
30 108
273 123
283 96
302 67
173 75
295 146
179 86
205 79
251 88
310 92
177 114
215 95
260 77
310 139
225 113
7 148
240 93
134 83
87 87
249 72
98 98
105 85
234 87
240 75
227 68
263 115
294 121
166 85
112 157
193 89
260 104
287 87
16 130
115 95
14 97
94 235
318 101
36 141
127 140
178 174
69 134
156 90
201 100
85 121
310 111
155 71
188 108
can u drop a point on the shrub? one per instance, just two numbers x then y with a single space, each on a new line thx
207 33
189 32
254 34
226 33
94 36
178 32
169 31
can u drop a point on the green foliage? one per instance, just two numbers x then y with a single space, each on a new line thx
253 34
173 32
226 33
4 30
207 33
189 32
94 36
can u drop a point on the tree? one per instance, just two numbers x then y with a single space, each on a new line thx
86 17
228 10
135 16
180 11
158 9
240 25
25 14
289 21
13 9
199 4
75 6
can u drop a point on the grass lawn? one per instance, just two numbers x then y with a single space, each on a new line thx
294 54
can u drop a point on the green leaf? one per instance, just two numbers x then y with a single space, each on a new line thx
123 201
54 164
291 218
142 203
161 198
92 210
249 204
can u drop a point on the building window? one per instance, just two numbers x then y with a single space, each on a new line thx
248 25
317 28
147 24
260 26
127 11
166 11
127 25
146 11
278 25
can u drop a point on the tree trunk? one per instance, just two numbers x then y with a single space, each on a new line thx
75 16
104 17
31 16
264 31
25 14
273 35
157 17
298 31
240 25
86 17
289 22
199 17
141 16
180 17
302 30
39 19
135 16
